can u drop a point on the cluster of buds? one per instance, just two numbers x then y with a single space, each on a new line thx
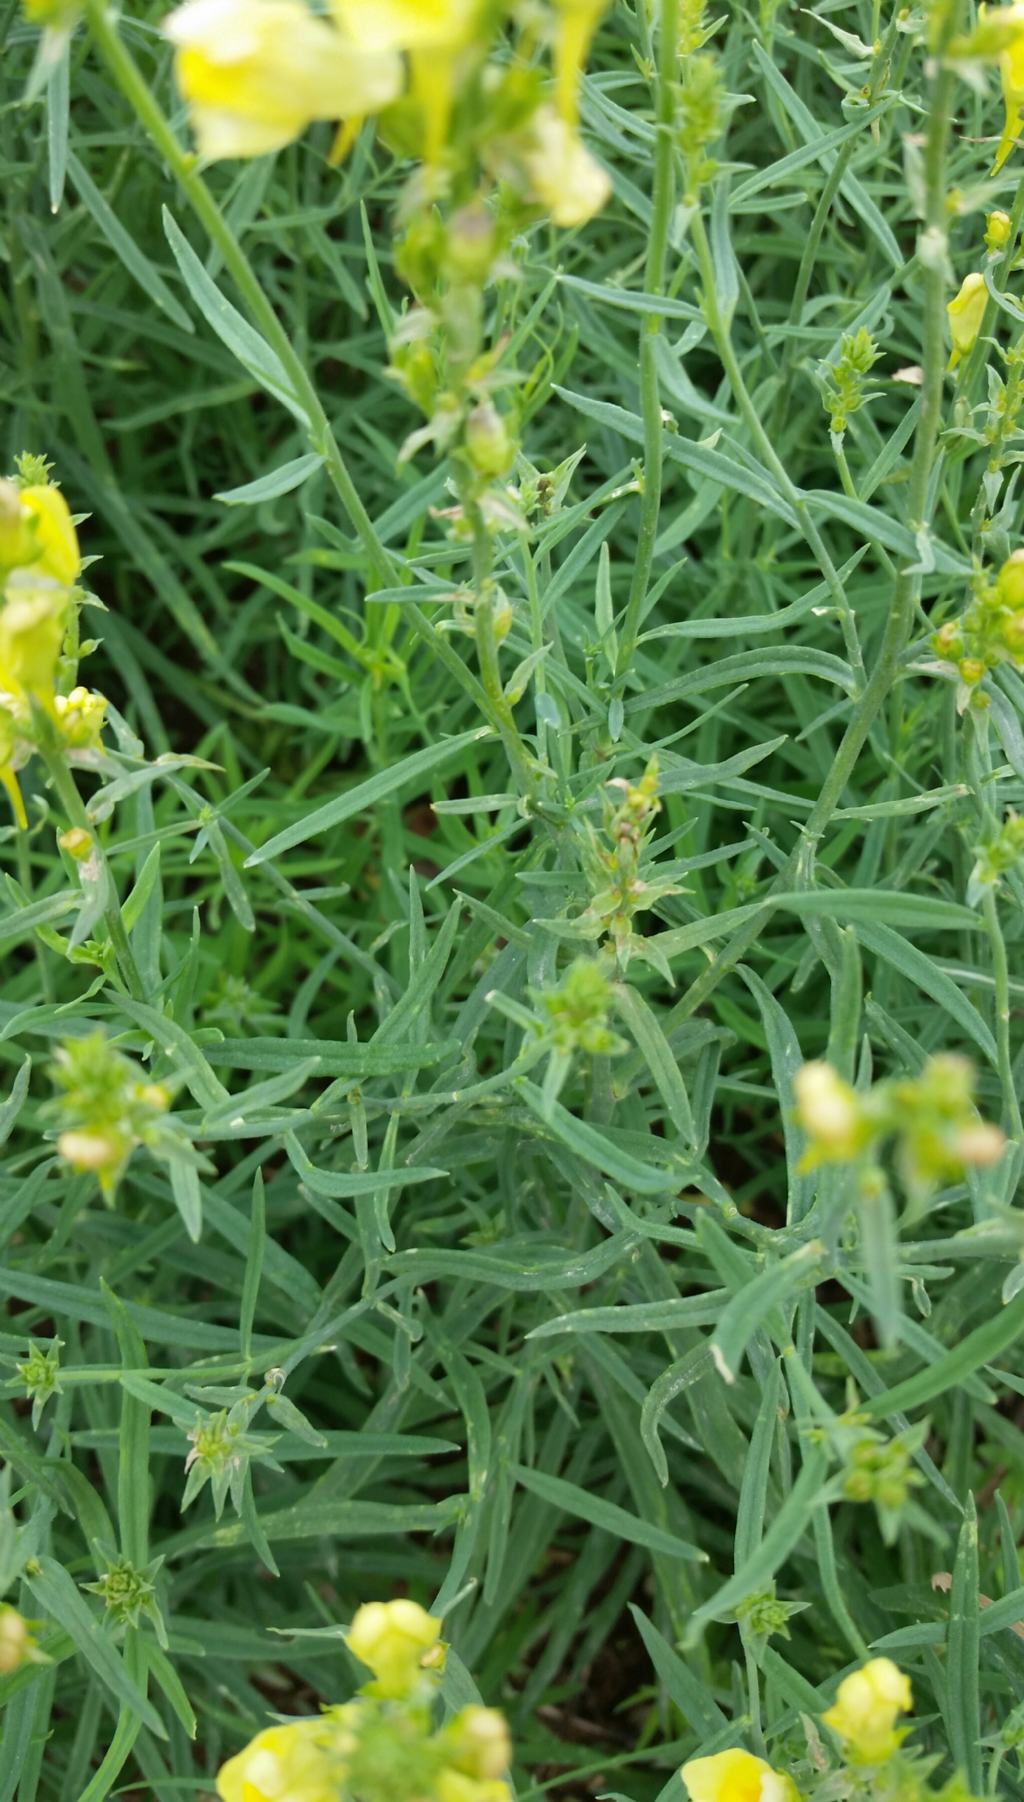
995 858
40 564
991 630
843 382
382 1746
105 1107
623 880
877 1470
577 1012
931 1119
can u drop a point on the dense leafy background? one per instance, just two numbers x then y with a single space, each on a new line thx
476 1311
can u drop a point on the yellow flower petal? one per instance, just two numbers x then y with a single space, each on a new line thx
283 1764
255 73
867 1707
410 24
55 538
734 1776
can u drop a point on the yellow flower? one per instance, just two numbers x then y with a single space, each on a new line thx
32 622
866 1709
397 1640
736 1776
578 22
435 33
966 312
256 73
564 177
1011 69
54 536
409 24
37 532
283 1764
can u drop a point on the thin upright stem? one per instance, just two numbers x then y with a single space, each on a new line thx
137 92
650 333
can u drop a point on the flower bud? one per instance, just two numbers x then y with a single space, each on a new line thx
965 313
77 842
829 1111
979 1145
99 1152
80 717
971 670
1010 581
478 1742
17 1644
488 443
997 231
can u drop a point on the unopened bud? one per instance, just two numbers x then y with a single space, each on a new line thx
997 231
971 670
980 1145
76 842
90 1151
487 441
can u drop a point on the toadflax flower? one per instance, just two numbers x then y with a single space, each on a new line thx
283 1764
434 33
736 1776
564 178
868 1704
256 73
1011 70
398 1641
965 313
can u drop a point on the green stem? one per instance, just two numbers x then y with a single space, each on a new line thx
75 808
650 334
137 92
1001 978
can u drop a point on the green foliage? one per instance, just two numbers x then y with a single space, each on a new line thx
478 851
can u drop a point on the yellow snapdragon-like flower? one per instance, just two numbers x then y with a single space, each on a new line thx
398 1641
33 617
283 1764
965 313
256 73
37 532
564 178
868 1704
736 1776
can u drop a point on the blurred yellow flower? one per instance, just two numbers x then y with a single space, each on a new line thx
397 1641
409 24
564 178
830 1113
434 33
578 21
37 532
283 1764
33 617
1011 69
53 533
867 1707
736 1776
965 313
256 73
17 1641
